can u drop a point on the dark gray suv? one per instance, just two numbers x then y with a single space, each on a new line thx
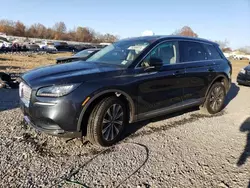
131 80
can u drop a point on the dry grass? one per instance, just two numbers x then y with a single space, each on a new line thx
237 66
21 63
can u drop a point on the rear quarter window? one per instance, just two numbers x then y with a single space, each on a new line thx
191 51
211 52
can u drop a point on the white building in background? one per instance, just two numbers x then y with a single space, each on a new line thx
238 55
227 54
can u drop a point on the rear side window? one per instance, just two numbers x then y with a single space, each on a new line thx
191 51
212 52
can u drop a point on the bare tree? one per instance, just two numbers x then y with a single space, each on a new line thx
19 29
37 30
186 31
60 27
227 49
245 50
7 26
223 44
58 31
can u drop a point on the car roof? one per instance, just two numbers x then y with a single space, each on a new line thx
162 37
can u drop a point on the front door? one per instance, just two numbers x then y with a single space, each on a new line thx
160 89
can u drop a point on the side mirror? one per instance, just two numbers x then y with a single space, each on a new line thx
154 63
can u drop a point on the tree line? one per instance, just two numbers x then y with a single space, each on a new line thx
81 34
57 32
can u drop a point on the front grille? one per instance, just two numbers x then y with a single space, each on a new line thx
25 93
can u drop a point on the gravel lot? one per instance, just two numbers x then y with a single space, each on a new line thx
186 149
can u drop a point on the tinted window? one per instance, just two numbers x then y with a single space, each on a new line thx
191 51
123 52
165 51
212 52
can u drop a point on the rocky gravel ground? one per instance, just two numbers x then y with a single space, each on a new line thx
186 149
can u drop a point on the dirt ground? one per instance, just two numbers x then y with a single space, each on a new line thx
24 61
237 66
185 149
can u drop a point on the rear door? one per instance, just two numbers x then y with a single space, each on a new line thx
200 70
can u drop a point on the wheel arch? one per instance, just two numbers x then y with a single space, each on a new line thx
86 110
220 78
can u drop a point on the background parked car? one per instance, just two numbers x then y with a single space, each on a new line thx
64 47
31 46
81 47
47 46
243 77
82 55
5 44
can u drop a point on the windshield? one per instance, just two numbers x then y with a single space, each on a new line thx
120 53
83 53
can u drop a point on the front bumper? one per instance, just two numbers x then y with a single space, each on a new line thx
243 82
55 131
243 79
58 117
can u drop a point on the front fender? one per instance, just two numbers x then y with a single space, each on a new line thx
103 93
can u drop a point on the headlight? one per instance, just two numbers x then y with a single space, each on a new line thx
56 90
243 71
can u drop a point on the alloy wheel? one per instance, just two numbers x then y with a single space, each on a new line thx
216 98
112 122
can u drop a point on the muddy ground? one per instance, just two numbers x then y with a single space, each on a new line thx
185 149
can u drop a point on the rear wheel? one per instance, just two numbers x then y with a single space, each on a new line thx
106 122
215 99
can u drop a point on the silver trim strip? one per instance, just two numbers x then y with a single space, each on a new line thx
168 109
44 104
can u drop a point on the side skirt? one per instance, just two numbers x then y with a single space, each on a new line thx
170 109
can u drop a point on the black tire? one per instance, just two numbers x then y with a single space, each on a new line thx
95 128
215 99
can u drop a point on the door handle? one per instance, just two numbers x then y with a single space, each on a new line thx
178 73
210 69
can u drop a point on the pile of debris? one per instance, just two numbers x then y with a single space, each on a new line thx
26 53
9 80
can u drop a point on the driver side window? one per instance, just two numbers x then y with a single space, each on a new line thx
166 51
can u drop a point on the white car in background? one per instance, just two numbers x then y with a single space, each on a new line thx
48 46
4 44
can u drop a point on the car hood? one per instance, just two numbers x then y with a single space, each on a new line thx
76 72
247 68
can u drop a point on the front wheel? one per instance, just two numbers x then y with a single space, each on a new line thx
106 122
215 99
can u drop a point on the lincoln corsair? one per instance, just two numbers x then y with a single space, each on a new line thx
131 80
